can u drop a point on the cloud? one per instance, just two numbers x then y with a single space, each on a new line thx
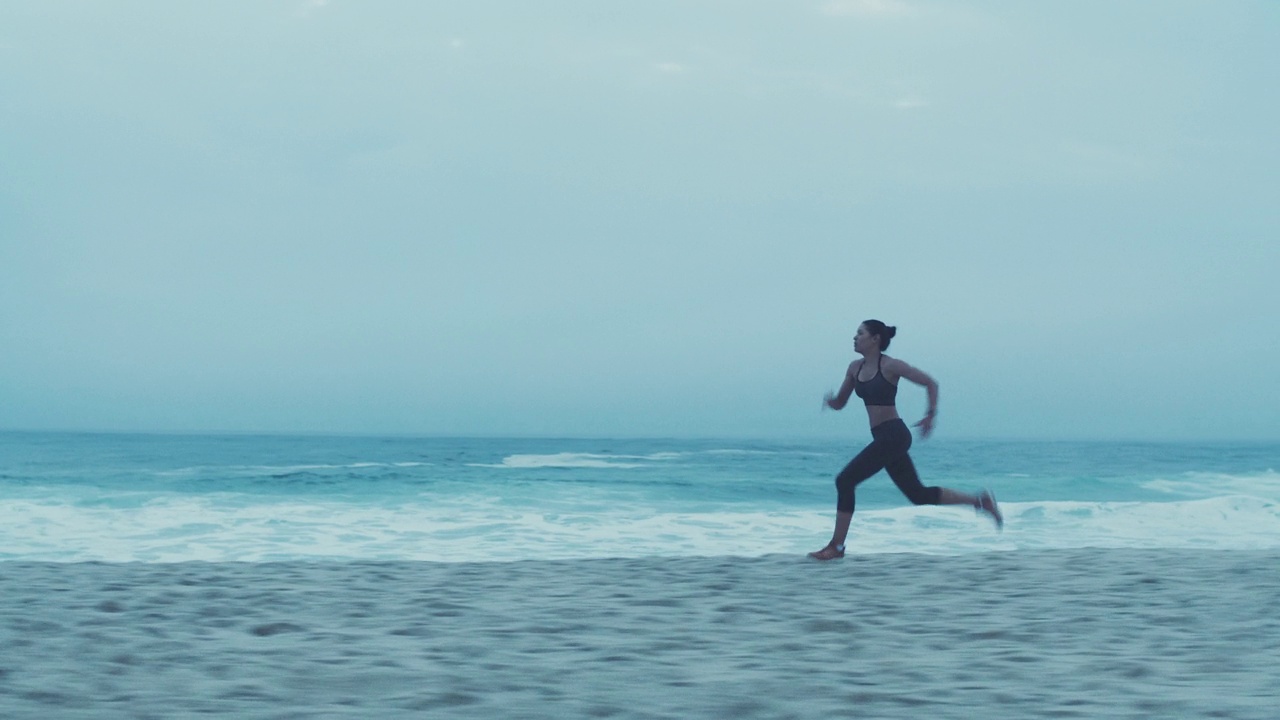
870 8
311 6
669 67
1097 162
910 102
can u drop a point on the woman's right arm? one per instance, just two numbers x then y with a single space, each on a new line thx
838 401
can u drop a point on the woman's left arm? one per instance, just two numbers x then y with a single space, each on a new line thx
919 377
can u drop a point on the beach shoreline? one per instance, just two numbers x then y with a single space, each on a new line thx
1039 633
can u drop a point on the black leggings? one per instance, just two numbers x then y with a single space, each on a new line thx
890 442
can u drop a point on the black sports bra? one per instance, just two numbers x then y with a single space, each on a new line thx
876 391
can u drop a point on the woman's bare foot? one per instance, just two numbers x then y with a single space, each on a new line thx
830 552
987 504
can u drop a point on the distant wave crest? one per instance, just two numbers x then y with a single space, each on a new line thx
1264 485
578 460
278 470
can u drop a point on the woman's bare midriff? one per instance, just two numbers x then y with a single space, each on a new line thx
881 413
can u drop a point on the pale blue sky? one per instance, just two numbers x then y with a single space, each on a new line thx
585 218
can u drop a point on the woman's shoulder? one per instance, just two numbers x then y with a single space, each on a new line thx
895 368
893 365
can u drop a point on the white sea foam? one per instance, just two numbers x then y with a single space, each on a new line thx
230 527
578 460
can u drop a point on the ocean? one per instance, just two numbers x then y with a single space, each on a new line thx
69 497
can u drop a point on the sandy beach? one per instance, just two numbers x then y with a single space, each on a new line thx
1062 634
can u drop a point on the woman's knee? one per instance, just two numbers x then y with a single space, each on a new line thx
925 495
845 484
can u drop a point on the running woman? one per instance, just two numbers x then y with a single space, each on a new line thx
874 378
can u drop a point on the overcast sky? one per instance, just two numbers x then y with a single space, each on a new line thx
657 218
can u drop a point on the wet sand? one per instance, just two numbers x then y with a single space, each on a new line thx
1054 634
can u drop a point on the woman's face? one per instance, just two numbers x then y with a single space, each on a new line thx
863 340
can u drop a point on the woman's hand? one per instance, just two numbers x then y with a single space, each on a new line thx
926 426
